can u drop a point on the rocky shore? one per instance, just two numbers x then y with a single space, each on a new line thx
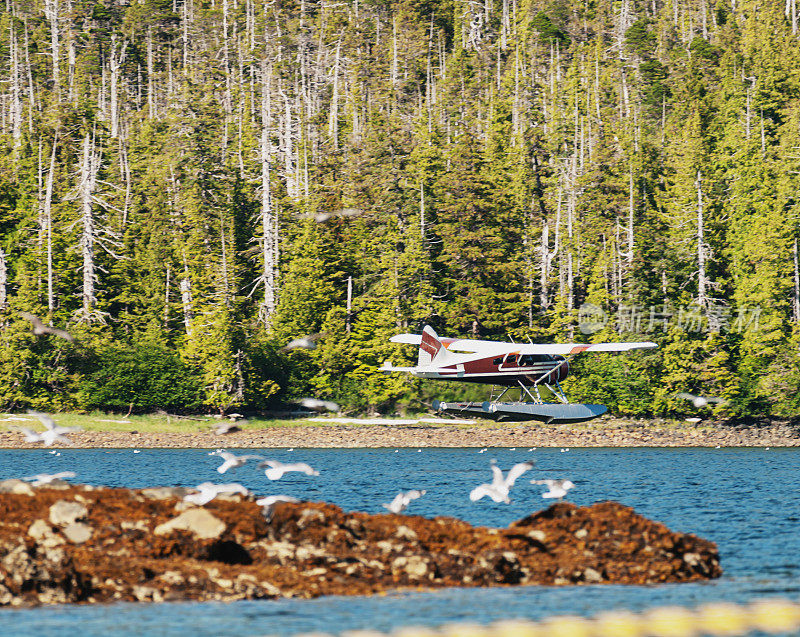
603 432
79 544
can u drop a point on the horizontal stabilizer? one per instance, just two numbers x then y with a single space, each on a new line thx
408 339
388 367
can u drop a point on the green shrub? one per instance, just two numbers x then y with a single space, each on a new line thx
141 377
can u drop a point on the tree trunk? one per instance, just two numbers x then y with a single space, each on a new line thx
16 89
89 168
333 119
3 280
114 63
51 11
269 220
48 226
186 302
702 280
796 290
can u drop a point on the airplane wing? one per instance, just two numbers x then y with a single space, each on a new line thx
565 349
497 347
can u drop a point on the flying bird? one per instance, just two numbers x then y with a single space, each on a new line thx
41 479
344 213
40 328
52 433
207 491
698 402
276 469
270 501
30 434
304 342
557 488
498 489
233 461
402 500
225 428
315 404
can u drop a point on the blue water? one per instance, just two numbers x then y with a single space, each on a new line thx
746 500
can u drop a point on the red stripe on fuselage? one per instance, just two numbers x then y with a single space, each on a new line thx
485 371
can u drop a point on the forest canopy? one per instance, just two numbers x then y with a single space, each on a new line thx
187 185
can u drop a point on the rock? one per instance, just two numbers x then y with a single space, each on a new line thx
44 535
404 533
197 521
414 566
77 532
310 516
312 548
138 525
16 486
172 577
64 512
165 493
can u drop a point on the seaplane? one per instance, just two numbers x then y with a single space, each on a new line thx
525 366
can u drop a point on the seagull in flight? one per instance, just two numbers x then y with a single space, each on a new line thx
304 342
270 500
225 428
30 434
557 488
498 489
41 479
52 433
343 213
402 500
207 491
315 404
233 461
51 424
276 469
268 503
39 328
698 402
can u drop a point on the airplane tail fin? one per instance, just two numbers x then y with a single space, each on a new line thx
430 346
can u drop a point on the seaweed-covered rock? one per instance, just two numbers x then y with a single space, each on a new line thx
84 544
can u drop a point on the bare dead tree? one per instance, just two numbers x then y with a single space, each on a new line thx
3 280
702 277
52 13
796 286
270 240
16 88
186 303
47 223
115 62
92 233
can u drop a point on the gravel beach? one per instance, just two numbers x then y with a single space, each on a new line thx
603 432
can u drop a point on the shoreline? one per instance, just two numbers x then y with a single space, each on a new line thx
427 433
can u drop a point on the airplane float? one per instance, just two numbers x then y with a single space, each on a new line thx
524 366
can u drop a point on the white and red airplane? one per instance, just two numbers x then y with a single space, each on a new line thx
507 364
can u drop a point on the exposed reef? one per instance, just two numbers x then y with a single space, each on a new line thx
70 544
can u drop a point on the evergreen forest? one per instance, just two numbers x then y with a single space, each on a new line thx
187 185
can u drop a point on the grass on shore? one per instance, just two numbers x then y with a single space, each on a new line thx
148 423
168 423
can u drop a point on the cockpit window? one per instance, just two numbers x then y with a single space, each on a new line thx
530 359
